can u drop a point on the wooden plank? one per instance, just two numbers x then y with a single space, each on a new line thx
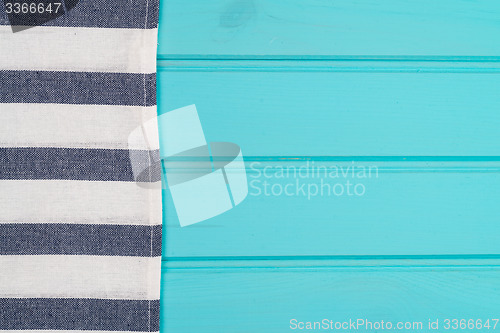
265 297
323 28
402 208
336 109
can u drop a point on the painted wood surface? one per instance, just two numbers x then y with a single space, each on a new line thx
308 110
325 28
432 139
265 296
410 88
408 209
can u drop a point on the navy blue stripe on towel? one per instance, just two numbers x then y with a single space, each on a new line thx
79 314
78 164
78 88
138 14
80 239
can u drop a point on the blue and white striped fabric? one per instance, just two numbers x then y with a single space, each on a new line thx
80 233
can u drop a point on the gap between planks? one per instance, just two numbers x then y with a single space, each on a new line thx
471 65
397 262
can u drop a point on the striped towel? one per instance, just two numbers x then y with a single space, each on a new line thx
80 232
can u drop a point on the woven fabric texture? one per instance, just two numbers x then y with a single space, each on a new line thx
80 200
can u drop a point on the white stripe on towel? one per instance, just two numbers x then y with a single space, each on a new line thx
75 126
71 49
92 202
64 276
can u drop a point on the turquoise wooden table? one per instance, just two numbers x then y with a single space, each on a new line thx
406 89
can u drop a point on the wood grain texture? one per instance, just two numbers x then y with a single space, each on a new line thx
410 208
431 129
264 298
296 112
408 87
324 28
